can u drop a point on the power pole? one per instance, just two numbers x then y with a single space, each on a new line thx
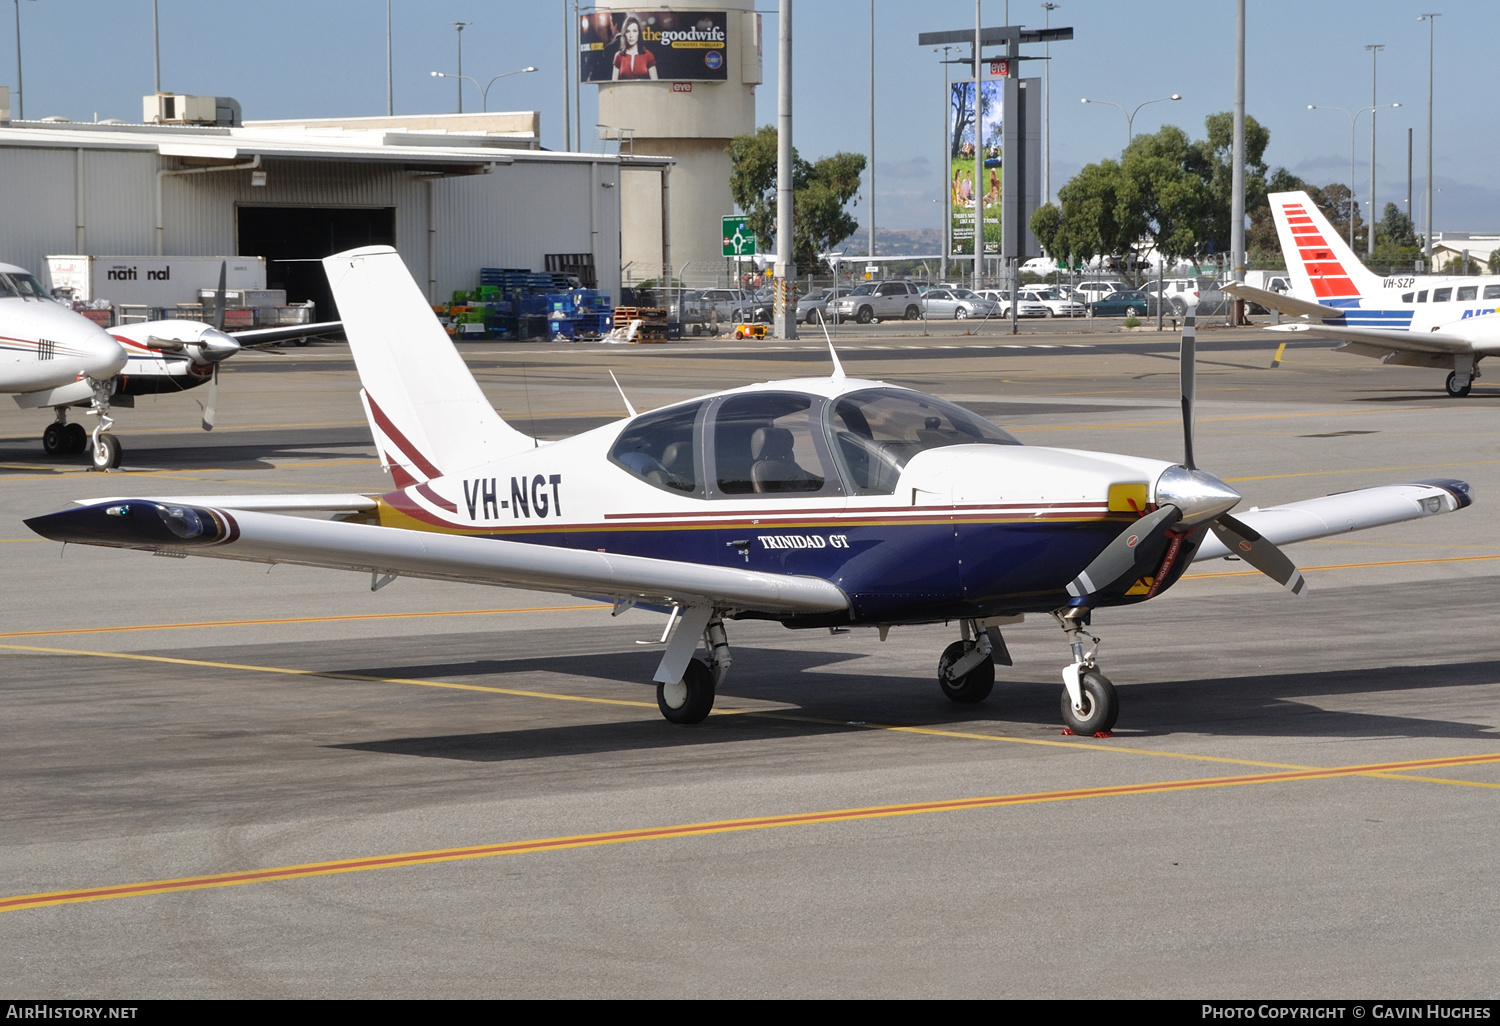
460 25
1237 182
785 310
1431 20
872 129
1374 49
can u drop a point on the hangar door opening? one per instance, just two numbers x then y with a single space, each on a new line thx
300 234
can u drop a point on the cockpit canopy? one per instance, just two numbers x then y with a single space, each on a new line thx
775 442
20 285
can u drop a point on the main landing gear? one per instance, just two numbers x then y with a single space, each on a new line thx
1459 386
62 438
685 684
1089 703
966 670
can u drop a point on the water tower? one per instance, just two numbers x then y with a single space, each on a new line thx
674 82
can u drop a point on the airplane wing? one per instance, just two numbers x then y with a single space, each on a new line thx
1386 340
315 503
1276 301
180 529
270 336
1344 512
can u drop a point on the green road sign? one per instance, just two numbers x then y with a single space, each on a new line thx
739 240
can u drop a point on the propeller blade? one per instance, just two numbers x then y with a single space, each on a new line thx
219 298
1119 556
1244 541
212 409
1187 361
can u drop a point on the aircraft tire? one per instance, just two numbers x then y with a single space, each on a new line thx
55 439
1454 389
974 686
1101 705
693 695
75 439
107 454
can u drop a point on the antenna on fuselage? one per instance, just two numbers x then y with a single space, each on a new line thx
838 368
623 397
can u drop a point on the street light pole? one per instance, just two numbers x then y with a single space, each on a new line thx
460 25
1047 9
1374 49
21 95
1130 114
947 169
390 87
1430 19
872 130
484 90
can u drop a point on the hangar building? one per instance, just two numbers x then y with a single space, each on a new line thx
452 193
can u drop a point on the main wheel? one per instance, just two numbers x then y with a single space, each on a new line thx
107 453
55 439
865 315
960 313
974 686
691 698
75 439
912 313
1456 390
1101 706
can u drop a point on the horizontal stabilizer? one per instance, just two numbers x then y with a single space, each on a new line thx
1345 512
181 529
1277 301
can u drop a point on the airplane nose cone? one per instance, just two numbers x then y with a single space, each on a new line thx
103 357
1198 494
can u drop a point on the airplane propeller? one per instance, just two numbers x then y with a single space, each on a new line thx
1187 496
211 408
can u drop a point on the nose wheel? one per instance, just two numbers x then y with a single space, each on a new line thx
1090 705
104 448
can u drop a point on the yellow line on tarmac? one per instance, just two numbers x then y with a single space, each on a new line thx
179 885
1366 470
1352 566
1211 420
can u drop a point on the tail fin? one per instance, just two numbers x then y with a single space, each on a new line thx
426 411
1323 267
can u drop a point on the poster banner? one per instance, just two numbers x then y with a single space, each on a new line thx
647 46
963 141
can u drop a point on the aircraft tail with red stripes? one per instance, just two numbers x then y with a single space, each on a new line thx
1323 268
425 409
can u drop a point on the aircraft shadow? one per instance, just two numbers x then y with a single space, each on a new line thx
828 703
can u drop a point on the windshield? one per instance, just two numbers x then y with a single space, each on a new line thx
863 290
964 294
875 432
12 285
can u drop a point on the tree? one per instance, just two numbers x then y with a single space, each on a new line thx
1216 156
820 193
1395 241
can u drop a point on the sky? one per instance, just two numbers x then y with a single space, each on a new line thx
327 58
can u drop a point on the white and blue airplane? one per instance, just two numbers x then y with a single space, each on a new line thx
1444 322
818 503
51 356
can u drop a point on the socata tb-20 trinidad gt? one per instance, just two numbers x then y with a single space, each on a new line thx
824 502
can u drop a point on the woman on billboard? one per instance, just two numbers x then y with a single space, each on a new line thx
634 61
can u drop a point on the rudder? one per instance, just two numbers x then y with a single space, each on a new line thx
425 409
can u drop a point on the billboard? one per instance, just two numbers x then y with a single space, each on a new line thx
647 45
968 135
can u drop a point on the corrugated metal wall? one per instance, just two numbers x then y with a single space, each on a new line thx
511 217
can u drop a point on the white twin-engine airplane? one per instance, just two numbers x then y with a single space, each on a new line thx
51 356
818 502
1407 321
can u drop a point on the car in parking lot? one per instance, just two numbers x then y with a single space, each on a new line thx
958 304
1128 303
880 301
813 307
1057 304
1025 307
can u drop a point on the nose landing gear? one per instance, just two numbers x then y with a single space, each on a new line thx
1090 705
104 448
